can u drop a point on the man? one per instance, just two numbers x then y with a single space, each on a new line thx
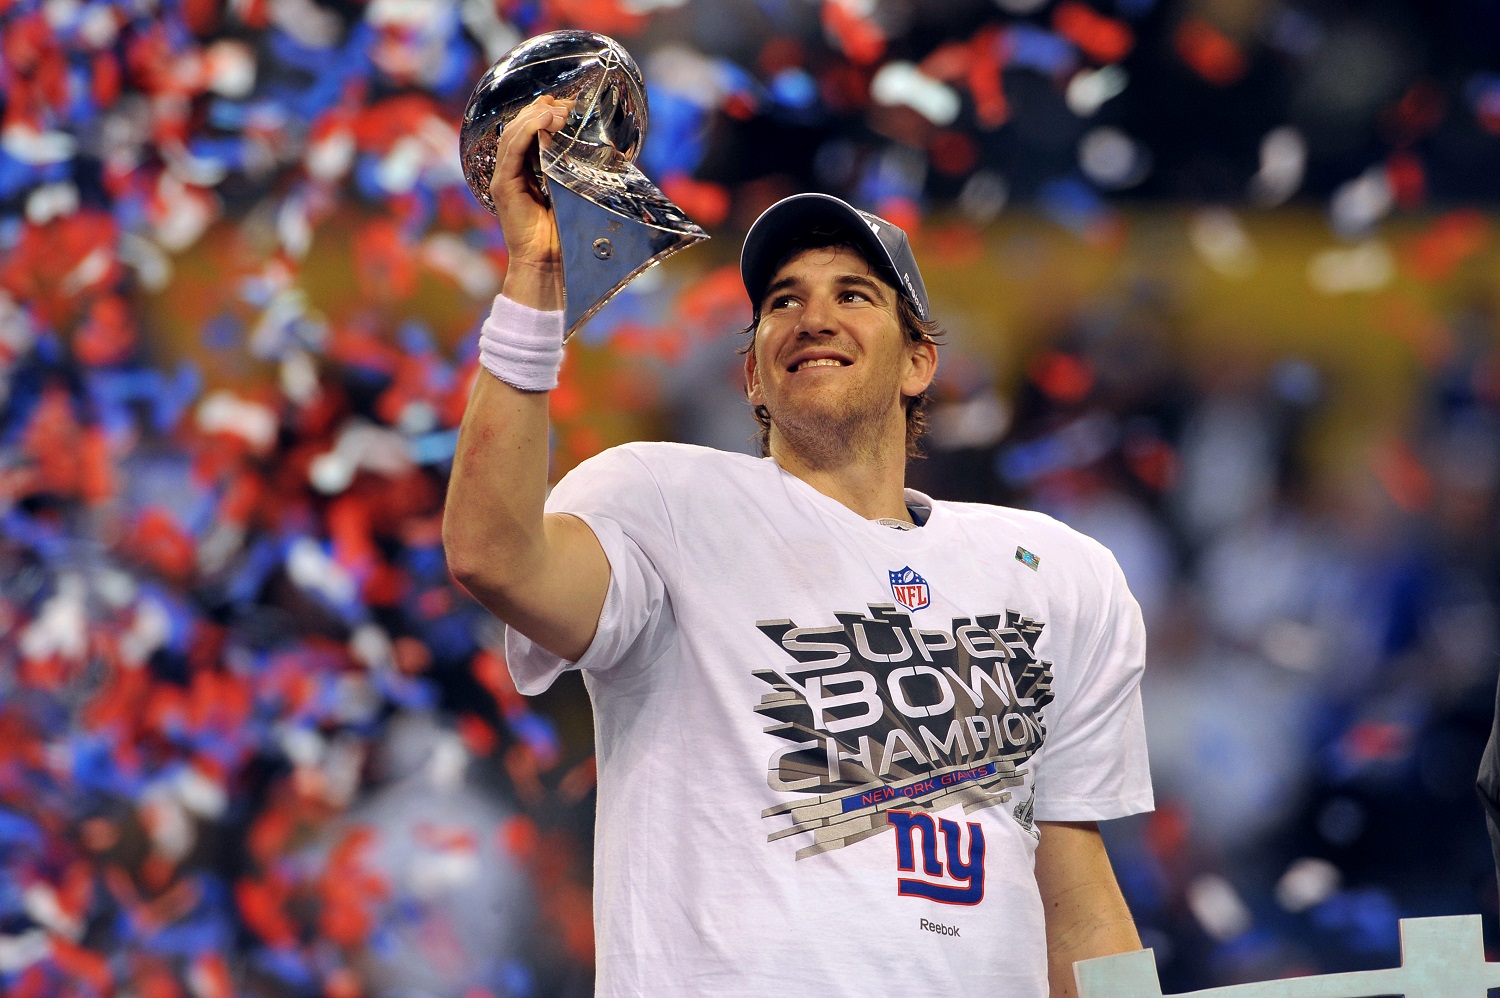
850 740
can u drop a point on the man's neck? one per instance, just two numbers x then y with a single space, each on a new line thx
871 483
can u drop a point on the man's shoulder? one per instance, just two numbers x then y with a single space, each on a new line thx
668 452
1031 528
666 465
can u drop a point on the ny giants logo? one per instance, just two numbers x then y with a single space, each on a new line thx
909 588
961 882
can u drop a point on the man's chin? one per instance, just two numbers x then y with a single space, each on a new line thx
811 425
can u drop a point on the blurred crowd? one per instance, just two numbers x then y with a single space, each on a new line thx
1321 674
254 741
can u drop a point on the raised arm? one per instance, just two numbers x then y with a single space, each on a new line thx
543 574
1085 912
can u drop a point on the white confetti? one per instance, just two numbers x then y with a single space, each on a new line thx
1222 243
1307 882
1366 267
1218 907
1359 203
225 412
1089 89
902 83
1112 159
1283 162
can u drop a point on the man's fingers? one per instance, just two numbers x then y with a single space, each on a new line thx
518 139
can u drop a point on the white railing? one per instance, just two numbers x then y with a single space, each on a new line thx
1440 958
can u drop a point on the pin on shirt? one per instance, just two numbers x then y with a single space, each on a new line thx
1028 559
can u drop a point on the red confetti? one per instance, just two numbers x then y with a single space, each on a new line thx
349 529
902 212
583 442
201 16
1403 476
715 300
1419 111
159 542
386 263
955 244
704 202
845 87
1101 38
1407 178
610 17
1452 239
211 976
108 336
952 153
105 81
1371 741
478 736
781 53
859 39
519 837
977 64
378 127
60 266
412 656
385 586
83 965
349 891
491 672
1208 52
68 461
1062 377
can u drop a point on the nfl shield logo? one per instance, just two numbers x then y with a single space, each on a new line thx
909 588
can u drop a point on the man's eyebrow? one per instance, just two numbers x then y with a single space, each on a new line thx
859 281
862 282
776 287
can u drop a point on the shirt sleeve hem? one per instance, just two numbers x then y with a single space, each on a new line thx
1094 810
540 667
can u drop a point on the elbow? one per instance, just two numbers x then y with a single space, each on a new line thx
482 565
465 557
463 571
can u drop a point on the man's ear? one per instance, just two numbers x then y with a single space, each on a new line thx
921 368
752 377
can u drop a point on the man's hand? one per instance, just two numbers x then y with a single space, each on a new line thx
1085 912
534 274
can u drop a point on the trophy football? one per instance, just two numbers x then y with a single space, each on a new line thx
613 222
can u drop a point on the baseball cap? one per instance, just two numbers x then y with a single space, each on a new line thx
782 225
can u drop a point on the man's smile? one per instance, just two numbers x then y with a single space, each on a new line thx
803 361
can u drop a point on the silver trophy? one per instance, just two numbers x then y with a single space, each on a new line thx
612 221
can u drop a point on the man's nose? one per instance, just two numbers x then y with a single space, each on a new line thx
817 318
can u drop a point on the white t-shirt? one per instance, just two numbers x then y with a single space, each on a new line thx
824 743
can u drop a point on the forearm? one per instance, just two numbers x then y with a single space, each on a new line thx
1095 922
1085 912
493 518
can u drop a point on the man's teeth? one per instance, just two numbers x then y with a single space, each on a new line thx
820 362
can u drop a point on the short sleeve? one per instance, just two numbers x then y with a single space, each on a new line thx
615 494
1095 765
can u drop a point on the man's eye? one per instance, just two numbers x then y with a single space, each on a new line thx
854 296
784 301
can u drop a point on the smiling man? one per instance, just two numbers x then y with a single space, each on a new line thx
851 740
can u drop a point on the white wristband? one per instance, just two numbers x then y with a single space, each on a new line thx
521 345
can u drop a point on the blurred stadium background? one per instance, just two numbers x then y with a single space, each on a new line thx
1219 280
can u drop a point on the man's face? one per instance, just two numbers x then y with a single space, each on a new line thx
830 356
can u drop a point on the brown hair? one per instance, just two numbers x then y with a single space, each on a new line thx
920 330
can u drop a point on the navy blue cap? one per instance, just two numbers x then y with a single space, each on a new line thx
790 220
